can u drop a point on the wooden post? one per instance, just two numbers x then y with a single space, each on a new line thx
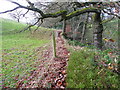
54 44
64 26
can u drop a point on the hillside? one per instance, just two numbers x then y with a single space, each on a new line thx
28 62
19 50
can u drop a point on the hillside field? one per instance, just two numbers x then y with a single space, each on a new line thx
19 50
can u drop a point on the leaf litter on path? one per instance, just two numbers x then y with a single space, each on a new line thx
51 72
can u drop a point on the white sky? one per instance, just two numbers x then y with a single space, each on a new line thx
6 5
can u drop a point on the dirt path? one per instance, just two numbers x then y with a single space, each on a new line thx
51 73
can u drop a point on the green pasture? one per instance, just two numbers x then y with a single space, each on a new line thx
19 56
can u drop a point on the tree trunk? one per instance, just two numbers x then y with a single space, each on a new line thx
84 28
18 20
119 47
76 31
98 30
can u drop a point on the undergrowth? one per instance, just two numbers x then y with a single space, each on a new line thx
78 43
84 72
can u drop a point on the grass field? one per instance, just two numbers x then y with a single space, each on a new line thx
19 56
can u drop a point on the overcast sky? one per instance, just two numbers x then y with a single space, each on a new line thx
6 5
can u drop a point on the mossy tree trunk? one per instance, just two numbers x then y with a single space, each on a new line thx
98 30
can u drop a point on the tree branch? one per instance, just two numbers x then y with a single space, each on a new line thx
111 14
9 10
59 13
31 25
56 14
25 13
81 11
32 9
39 25
105 21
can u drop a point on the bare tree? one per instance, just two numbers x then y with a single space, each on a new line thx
17 14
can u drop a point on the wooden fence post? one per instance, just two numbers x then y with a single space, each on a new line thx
54 44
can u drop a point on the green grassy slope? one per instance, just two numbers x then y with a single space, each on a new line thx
10 26
19 55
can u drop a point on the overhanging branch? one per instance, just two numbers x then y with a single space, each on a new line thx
31 25
9 10
62 13
81 11
29 8
25 13
39 25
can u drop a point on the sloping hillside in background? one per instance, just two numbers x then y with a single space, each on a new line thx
19 50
